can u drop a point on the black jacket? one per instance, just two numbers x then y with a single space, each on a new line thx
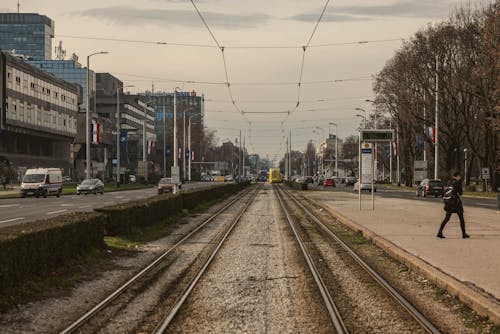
457 190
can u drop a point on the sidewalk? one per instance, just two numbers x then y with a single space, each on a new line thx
411 226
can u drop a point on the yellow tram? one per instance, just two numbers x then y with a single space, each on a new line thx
274 175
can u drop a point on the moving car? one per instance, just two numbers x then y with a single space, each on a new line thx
329 182
165 185
90 186
364 186
430 187
42 182
350 181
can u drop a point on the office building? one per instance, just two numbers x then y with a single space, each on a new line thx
38 116
29 35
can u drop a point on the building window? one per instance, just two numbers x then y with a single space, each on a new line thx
32 85
57 95
18 80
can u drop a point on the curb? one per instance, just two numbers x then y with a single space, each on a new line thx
481 304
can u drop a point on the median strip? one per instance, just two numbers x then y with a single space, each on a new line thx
54 212
11 220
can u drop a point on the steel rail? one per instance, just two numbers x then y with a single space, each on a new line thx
106 301
425 323
163 325
333 311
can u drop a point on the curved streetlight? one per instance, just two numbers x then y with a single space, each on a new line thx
87 114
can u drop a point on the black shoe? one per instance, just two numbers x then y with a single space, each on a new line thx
440 235
465 236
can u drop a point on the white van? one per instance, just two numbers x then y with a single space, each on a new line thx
42 182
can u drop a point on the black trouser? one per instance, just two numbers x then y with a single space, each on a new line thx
460 214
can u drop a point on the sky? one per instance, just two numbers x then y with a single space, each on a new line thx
263 43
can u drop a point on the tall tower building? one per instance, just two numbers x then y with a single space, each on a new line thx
28 34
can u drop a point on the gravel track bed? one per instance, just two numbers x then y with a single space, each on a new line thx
258 282
53 314
445 311
365 306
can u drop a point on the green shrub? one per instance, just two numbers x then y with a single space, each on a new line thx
37 247
127 218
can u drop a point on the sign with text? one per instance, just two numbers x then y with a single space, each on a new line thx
175 174
485 173
420 167
366 162
376 135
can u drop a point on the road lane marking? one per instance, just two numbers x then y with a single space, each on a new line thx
106 203
54 212
69 204
7 205
11 220
85 206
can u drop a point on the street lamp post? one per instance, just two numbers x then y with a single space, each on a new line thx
189 146
176 151
87 115
118 128
336 149
364 116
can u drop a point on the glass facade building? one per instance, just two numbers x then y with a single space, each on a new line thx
70 71
28 34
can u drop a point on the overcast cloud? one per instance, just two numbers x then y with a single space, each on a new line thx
168 17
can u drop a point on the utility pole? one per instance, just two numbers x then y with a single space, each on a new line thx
425 153
243 158
164 140
176 150
436 144
239 160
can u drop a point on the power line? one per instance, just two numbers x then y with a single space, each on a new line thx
304 49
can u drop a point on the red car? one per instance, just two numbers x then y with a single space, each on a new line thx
329 183
165 185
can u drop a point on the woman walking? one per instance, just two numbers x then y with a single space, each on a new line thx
453 204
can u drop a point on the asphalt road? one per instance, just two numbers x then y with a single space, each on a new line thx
480 202
20 210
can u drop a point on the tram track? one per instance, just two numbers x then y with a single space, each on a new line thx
163 260
340 246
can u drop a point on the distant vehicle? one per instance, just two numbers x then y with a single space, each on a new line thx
300 179
90 186
274 175
330 182
219 178
364 186
430 187
262 178
350 181
321 180
132 179
165 185
228 178
66 179
206 178
42 182
309 179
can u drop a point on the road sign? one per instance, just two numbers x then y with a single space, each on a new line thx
420 167
175 174
377 135
366 163
485 173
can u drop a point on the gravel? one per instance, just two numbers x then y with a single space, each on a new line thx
257 283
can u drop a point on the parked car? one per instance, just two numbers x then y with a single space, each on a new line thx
364 186
309 179
165 185
228 178
66 179
132 179
219 178
430 187
350 181
206 178
90 186
329 183
321 179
